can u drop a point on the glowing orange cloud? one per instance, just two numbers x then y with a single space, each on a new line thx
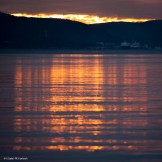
87 19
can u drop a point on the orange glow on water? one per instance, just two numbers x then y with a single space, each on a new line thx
76 99
87 19
92 103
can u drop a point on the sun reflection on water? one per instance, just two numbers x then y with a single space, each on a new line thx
80 102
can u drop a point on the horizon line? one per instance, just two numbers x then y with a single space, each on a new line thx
83 18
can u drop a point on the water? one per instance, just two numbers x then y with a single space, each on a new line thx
69 107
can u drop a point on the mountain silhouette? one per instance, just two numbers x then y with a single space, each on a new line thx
41 33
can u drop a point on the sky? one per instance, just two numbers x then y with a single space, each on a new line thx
137 9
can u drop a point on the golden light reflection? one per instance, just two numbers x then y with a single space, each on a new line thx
79 102
83 81
111 146
87 19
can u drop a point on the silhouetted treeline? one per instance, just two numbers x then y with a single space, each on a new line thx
19 32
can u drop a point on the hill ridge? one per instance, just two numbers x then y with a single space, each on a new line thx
20 32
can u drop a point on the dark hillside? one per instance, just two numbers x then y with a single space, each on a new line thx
19 32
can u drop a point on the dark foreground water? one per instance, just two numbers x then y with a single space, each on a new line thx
81 108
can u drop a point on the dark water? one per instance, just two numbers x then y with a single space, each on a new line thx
81 107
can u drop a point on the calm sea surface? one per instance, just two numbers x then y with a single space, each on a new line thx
81 107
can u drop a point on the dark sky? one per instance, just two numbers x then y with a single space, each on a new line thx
112 8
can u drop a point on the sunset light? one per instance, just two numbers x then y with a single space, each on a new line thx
80 80
87 19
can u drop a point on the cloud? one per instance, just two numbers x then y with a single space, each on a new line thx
119 8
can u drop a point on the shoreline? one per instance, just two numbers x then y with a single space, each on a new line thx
79 51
